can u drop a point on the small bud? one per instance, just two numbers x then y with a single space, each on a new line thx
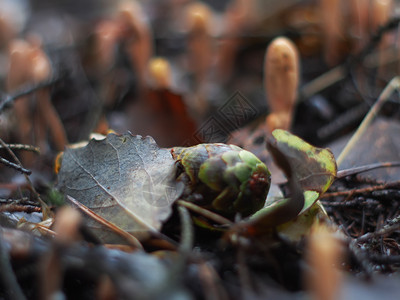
198 17
160 73
281 71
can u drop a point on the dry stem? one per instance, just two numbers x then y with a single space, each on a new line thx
392 86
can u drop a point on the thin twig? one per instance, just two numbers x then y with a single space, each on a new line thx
15 166
9 99
22 147
186 244
393 85
361 257
322 82
42 229
385 259
392 225
393 221
362 190
19 208
366 168
45 209
21 201
355 202
205 212
376 38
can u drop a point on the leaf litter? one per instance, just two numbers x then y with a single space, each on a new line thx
256 267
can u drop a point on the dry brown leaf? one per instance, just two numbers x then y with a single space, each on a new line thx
128 180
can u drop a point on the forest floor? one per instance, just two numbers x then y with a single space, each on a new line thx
84 69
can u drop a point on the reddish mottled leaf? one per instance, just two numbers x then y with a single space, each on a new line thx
309 170
314 167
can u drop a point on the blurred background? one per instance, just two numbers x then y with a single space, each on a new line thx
187 72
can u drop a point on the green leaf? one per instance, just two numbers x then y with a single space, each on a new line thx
268 212
128 180
301 226
310 197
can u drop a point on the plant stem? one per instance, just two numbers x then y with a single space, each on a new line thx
392 225
15 166
205 212
186 244
45 209
22 147
393 85
25 91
